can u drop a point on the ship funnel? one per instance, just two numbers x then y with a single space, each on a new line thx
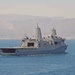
54 32
38 35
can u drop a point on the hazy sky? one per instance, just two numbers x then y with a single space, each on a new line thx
49 8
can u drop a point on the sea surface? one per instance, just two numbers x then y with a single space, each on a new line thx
49 64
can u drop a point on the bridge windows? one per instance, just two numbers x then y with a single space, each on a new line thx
56 43
30 44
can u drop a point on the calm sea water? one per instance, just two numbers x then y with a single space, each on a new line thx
55 64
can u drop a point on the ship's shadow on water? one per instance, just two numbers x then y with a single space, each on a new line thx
33 55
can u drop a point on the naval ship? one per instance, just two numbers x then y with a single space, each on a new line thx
52 44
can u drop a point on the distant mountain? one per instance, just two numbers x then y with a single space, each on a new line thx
17 26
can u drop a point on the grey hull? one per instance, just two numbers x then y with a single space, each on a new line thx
36 51
32 51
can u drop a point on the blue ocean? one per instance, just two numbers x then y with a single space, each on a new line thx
49 64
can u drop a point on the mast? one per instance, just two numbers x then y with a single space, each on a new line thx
38 35
53 32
